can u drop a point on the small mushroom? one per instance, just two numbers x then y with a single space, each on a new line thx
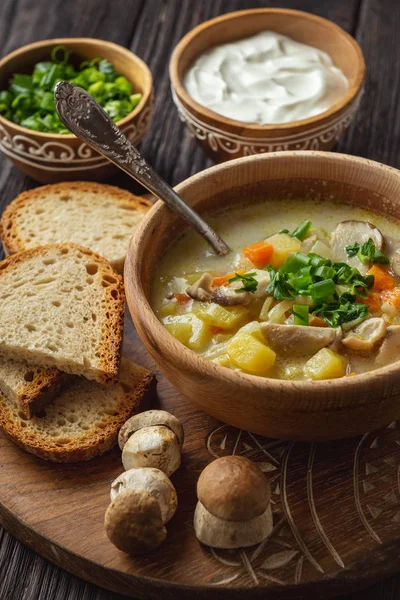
233 508
133 522
149 480
225 296
201 290
148 419
156 446
390 349
349 232
297 340
366 335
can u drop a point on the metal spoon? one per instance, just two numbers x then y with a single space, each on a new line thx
82 115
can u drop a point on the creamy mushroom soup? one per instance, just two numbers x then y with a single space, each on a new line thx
311 290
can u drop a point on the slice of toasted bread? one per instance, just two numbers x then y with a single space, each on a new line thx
62 306
30 388
83 421
96 216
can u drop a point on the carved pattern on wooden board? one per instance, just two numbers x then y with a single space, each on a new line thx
286 554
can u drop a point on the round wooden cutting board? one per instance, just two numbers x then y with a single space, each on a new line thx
336 511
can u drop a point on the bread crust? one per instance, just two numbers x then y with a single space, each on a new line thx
13 240
93 443
111 344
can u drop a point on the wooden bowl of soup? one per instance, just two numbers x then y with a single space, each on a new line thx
310 384
225 138
52 157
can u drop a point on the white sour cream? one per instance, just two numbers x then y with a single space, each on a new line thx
266 78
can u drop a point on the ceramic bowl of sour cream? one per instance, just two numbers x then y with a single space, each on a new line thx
266 80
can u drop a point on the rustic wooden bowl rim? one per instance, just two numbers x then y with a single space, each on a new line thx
88 41
188 357
180 90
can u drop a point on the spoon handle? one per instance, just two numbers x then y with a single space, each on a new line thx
82 115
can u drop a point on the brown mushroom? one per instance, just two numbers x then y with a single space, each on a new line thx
149 480
349 232
390 349
365 336
133 522
156 446
297 340
201 290
148 419
226 296
233 508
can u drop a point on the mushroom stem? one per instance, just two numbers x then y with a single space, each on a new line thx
219 533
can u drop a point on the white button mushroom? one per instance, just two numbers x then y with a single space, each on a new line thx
366 335
233 510
155 446
349 232
133 522
149 480
148 419
298 339
152 439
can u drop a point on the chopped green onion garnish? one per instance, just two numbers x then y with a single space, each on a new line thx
321 290
29 100
294 263
301 231
301 314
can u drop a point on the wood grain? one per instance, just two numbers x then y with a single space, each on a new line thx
336 509
295 410
152 28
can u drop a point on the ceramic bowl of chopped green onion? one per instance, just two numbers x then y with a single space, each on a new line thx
31 133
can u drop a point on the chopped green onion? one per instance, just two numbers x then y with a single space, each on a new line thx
301 231
294 263
301 284
324 272
29 100
321 290
317 260
301 314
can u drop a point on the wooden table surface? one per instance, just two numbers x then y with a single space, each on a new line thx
151 28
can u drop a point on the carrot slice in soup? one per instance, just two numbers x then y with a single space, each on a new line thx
373 302
259 253
383 279
223 279
392 297
182 298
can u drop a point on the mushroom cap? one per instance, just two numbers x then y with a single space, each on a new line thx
133 522
219 533
149 480
365 336
147 419
155 446
233 488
